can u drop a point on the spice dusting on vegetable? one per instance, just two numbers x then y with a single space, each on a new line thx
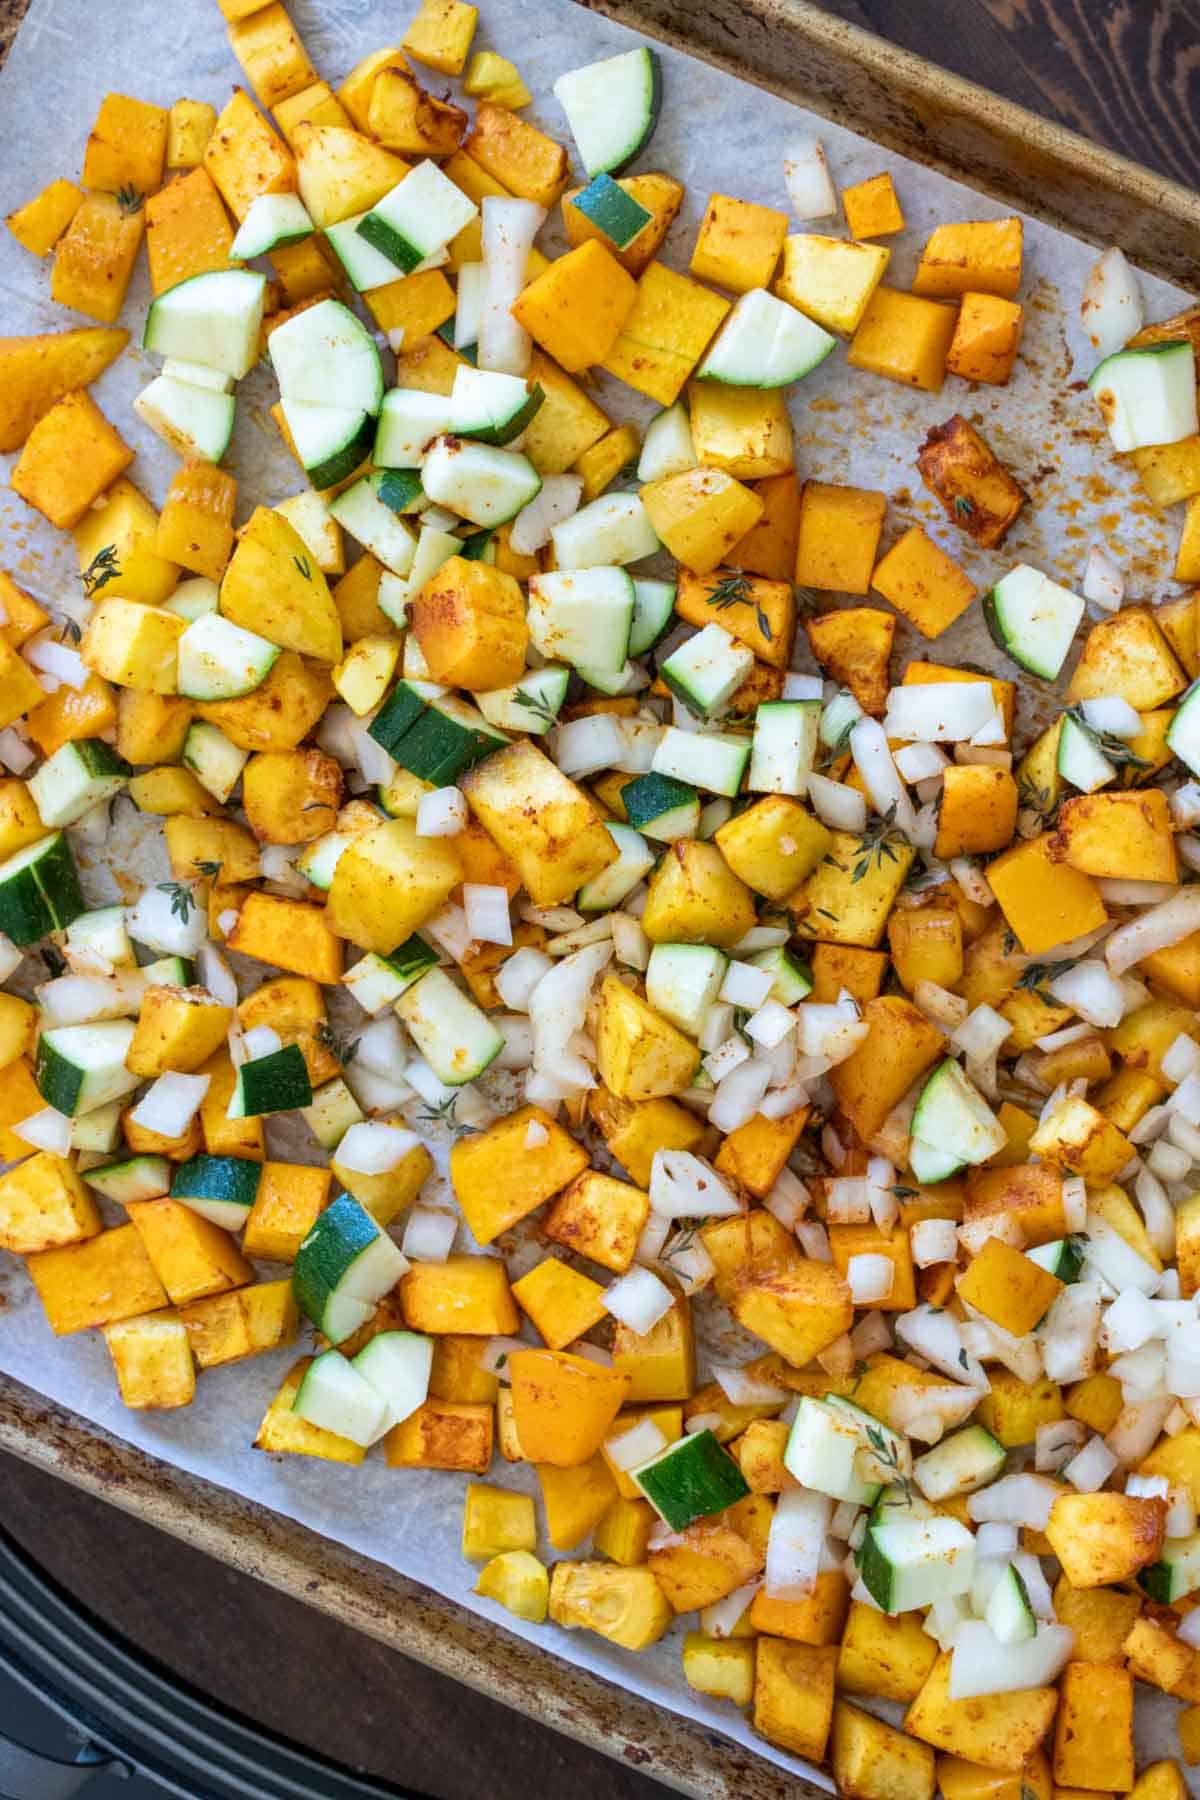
740 975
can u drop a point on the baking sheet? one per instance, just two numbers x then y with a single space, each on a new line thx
716 133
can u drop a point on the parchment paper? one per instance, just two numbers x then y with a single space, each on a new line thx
716 134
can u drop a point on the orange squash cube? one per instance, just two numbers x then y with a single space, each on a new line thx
443 1434
38 225
469 620
904 338
245 158
871 207
291 934
94 257
70 457
923 583
187 230
839 536
191 1256
273 59
986 339
523 159
665 335
1006 1287
854 647
979 810
974 256
1045 902
700 514
738 244
563 1405
769 548
577 306
126 147
195 527
105 1278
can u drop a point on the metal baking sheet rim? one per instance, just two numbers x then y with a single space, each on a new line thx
941 120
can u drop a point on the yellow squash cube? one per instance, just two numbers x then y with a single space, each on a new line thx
440 35
854 646
273 59
840 905
763 616
96 1282
567 423
923 583
871 1760
640 1055
290 1198
192 1257
1006 1287
562 1303
700 514
522 159
517 1581
187 231
977 256
882 1657
979 811
95 256
1128 655
575 1500
116 543
195 528
831 280
1081 1140
1118 836
228 1327
443 1434
467 1295
494 1521
1044 902
177 1028
1001 1731
664 336
134 645
71 455
245 158
190 124
773 845
152 1357
44 1205
38 225
292 934
603 461
543 822
626 1606
126 147
498 1178
494 78
623 1534
1104 1538
720 1667
745 431
904 338
695 898
1093 1734
634 1132
793 1695
738 243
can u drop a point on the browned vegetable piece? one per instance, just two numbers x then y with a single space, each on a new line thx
977 491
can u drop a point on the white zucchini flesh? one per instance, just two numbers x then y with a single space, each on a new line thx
785 746
478 481
1147 396
195 421
337 1397
397 1364
614 529
954 1119
417 218
612 107
765 343
707 670
582 616
214 319
273 220
909 1562
456 1037
713 761
667 448
1034 619
325 356
1080 758
410 421
219 660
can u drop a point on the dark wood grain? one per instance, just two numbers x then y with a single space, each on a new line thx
1124 72
1127 74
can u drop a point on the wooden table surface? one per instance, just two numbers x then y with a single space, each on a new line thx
1125 72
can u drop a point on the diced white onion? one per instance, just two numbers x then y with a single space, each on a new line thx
871 1278
1158 929
556 500
639 1299
741 1387
57 659
630 1449
745 985
943 712
840 807
1112 714
519 974
684 1186
807 179
261 1040
1023 1500
557 1007
933 1241
873 760
486 907
45 1130
16 752
739 1094
795 1543
1110 307
216 975
442 813
1091 991
375 1149
171 1103
509 228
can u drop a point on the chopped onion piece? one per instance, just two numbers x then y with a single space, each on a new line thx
1110 307
840 807
873 760
556 500
807 179
375 1149
171 1103
933 1241
442 813
1023 1500
795 1544
630 1449
486 907
1110 713
261 1040
509 228
684 1186
743 1388
945 712
1158 929
639 1299
428 1234
46 1130
871 1278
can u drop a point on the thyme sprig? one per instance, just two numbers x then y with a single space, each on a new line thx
102 569
541 709
130 200
885 1453
182 898
1116 749
444 1112
734 590
877 845
1037 977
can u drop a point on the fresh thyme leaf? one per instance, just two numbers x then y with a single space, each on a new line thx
69 630
964 1359
345 1049
102 569
683 1240
182 898
209 869
964 506
1038 976
533 704
906 1193
1114 748
55 963
877 845
886 1454
1008 942
304 566
129 200
443 1112
826 914
734 590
